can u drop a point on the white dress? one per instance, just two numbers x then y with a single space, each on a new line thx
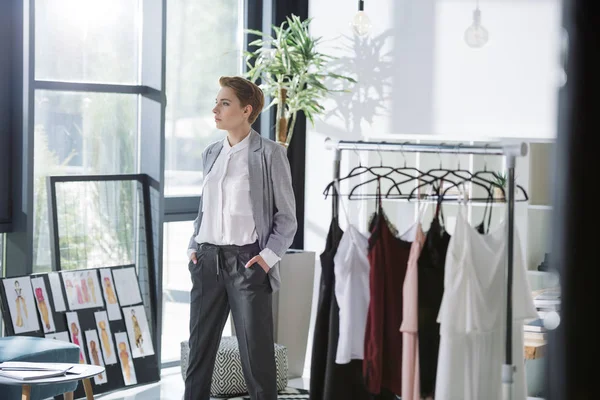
351 268
472 316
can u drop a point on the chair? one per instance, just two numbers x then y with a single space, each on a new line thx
36 349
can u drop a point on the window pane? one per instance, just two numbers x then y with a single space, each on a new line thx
78 133
176 290
87 40
203 43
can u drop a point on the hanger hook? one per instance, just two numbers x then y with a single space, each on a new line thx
380 156
440 153
458 155
485 157
357 154
402 152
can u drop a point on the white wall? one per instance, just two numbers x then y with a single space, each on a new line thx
418 79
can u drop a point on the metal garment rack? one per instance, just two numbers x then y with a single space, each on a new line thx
511 152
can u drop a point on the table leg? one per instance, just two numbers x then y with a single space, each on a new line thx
69 396
87 386
26 392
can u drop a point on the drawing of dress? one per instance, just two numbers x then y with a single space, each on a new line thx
110 293
84 288
90 282
137 333
75 334
104 338
79 293
69 286
43 307
95 358
21 305
125 361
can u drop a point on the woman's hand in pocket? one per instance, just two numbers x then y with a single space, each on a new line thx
260 261
193 258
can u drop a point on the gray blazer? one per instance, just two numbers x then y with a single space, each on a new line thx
273 202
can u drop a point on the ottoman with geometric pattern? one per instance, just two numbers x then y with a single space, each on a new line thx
228 377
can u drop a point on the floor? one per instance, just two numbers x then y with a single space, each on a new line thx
169 388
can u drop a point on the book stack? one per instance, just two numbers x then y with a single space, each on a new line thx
535 331
547 301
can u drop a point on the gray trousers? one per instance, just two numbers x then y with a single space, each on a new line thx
222 283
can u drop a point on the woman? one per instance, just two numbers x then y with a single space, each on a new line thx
246 222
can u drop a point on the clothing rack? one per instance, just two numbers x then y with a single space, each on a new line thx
511 152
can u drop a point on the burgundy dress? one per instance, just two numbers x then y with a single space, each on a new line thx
388 258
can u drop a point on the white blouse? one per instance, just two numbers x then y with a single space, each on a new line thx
226 205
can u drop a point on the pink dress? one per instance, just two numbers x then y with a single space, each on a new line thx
411 387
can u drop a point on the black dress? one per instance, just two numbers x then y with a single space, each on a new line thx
328 380
431 290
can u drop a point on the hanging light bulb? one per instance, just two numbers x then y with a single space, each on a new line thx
361 24
476 35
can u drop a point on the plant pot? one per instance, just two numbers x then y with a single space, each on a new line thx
498 194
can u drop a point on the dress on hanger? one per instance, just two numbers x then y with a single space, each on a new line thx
388 258
328 380
430 292
411 384
473 313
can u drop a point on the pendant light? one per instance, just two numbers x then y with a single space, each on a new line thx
361 24
476 36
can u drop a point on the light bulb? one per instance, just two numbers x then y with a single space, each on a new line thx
361 24
476 35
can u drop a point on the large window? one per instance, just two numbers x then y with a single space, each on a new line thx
204 42
82 132
87 41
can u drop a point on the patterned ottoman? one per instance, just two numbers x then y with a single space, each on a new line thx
228 377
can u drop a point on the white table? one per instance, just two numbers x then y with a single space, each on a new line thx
91 371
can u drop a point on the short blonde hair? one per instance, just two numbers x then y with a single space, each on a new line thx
247 92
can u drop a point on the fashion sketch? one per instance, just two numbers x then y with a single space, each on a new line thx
57 293
126 282
82 289
138 331
43 304
108 288
125 359
106 341
93 345
21 304
75 333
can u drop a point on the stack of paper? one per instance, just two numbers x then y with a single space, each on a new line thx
34 370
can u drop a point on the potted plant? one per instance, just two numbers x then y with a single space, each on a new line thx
293 72
500 181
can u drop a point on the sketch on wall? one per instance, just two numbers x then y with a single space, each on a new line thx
106 342
93 345
57 294
19 297
110 295
127 285
83 289
76 335
138 331
125 359
43 304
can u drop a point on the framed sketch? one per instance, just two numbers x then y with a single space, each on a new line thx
76 334
83 289
106 341
93 346
128 288
125 359
62 336
43 304
138 331
57 293
19 297
110 294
